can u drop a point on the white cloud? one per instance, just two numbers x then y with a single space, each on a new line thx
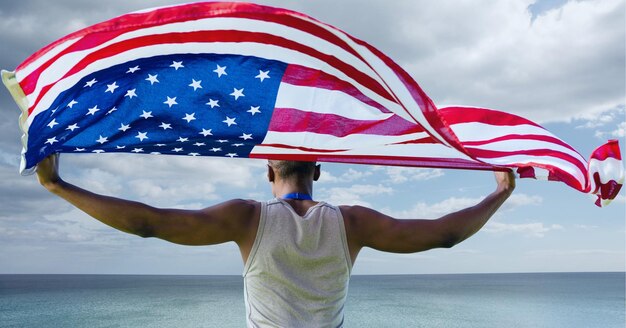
399 175
423 210
353 195
535 229
350 175
568 62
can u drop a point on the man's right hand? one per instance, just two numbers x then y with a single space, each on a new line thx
48 171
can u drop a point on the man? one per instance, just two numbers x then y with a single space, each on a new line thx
298 253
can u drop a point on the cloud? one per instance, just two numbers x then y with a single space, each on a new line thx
354 194
350 175
399 175
535 229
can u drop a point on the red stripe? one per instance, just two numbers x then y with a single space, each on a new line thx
508 137
222 36
308 77
429 162
458 115
608 150
481 153
294 120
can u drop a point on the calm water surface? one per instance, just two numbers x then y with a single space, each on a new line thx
583 300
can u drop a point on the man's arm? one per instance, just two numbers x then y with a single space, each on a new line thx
368 228
229 221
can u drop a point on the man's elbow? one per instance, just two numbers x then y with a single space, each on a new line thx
450 241
143 231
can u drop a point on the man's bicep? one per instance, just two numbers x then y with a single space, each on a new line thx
385 233
213 225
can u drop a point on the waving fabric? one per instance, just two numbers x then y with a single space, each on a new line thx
243 80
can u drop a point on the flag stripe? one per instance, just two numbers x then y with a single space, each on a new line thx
304 76
324 141
293 120
327 102
484 154
480 115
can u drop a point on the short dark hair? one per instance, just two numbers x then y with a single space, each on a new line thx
288 169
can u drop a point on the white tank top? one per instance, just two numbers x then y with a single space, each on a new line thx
298 270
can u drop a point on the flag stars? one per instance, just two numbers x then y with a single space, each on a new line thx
254 110
92 110
72 127
137 150
79 149
170 102
98 151
199 144
124 127
220 70
213 103
53 123
165 126
90 83
237 93
111 87
181 139
177 150
133 69
131 93
193 154
230 121
72 103
152 79
102 139
189 117
146 115
216 149
176 65
206 132
237 145
222 141
246 136
263 75
231 155
111 110
142 135
195 84
120 147
51 140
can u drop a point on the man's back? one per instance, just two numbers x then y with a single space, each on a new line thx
298 269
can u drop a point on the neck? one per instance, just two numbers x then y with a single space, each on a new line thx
283 188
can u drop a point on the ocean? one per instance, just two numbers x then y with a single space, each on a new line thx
585 300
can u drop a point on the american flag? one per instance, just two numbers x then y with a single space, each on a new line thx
244 80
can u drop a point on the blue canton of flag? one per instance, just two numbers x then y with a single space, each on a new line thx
199 105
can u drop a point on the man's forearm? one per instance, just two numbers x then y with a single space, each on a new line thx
466 222
124 215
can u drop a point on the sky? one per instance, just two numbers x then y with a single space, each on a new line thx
557 62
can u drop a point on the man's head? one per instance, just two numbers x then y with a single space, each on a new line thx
292 170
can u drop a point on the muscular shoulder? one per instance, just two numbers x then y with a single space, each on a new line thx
235 209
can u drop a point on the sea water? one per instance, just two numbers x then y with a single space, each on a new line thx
569 300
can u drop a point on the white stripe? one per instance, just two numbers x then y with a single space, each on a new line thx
608 169
522 145
316 100
252 49
566 166
430 151
26 70
325 141
476 131
66 62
